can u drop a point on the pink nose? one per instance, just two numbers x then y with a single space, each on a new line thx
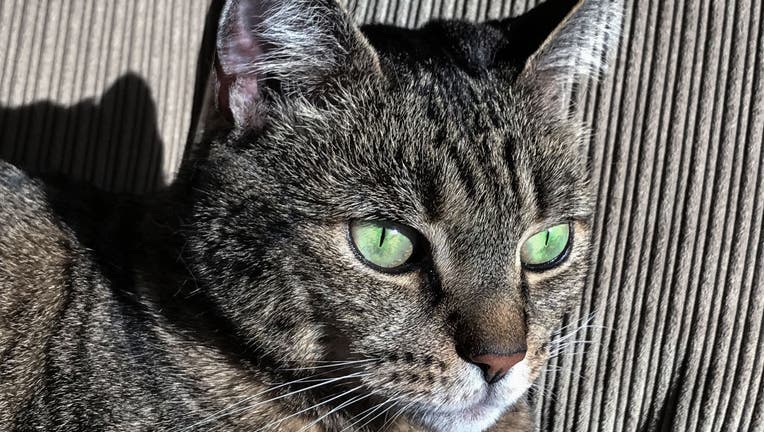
496 366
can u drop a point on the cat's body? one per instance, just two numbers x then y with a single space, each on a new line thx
239 301
91 338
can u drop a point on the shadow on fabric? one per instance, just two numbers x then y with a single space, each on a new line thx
112 144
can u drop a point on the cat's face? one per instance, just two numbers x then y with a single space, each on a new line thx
390 221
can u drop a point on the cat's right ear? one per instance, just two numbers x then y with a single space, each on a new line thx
560 41
284 48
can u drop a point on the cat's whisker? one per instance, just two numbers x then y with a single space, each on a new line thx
569 346
310 378
391 422
354 362
368 412
344 361
558 345
566 338
584 320
545 392
563 338
561 369
574 333
362 415
560 335
384 411
337 408
292 393
316 405
228 410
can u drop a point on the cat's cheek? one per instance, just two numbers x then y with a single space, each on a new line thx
373 310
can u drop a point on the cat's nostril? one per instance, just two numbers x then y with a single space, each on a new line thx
496 366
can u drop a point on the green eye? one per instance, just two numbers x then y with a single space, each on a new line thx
383 244
545 249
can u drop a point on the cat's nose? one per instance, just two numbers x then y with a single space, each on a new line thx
492 335
496 366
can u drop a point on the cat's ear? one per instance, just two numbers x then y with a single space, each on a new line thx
561 41
270 48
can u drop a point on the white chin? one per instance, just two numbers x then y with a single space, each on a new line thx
481 416
475 420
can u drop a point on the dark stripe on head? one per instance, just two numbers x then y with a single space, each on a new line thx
509 159
463 170
429 189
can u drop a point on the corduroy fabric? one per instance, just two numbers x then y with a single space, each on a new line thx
103 91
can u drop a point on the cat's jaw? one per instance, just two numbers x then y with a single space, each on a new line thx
473 420
481 411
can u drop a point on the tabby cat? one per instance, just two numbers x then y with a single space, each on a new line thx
386 238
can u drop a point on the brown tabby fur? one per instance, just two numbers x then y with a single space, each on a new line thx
235 300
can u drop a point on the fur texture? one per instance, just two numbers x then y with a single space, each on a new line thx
236 300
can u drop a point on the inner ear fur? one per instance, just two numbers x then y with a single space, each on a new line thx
286 48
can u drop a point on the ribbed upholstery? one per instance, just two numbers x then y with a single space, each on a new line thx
675 298
101 90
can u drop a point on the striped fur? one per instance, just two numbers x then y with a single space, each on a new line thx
235 301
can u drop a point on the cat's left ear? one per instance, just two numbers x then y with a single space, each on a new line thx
285 48
560 41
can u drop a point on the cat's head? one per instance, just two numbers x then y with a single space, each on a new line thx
415 201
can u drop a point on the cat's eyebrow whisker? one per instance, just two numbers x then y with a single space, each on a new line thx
227 411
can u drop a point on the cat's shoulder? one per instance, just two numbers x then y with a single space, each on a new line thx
28 226
35 248
35 261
